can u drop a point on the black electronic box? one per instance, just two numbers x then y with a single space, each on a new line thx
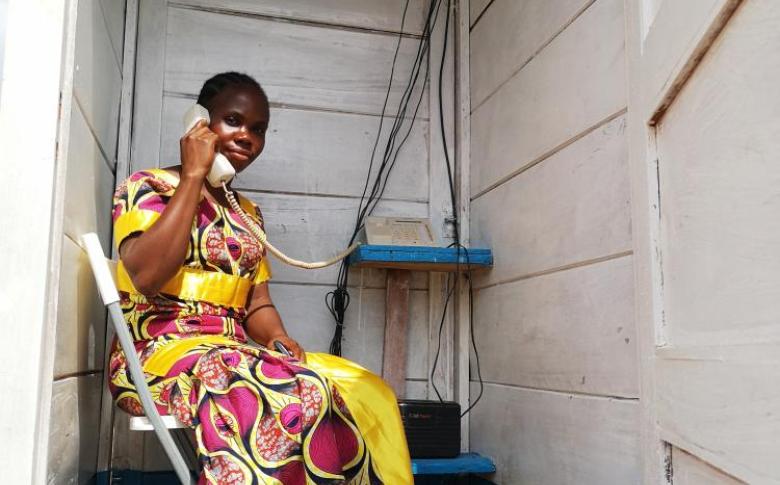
432 428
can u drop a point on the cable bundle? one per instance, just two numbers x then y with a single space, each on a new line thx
338 300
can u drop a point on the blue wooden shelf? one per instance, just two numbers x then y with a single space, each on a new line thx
420 258
465 463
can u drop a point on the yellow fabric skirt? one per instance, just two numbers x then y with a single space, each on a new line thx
370 400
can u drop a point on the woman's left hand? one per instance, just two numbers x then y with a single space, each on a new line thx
294 347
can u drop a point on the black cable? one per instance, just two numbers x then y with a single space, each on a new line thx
457 243
337 300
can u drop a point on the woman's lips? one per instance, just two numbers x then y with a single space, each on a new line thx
238 154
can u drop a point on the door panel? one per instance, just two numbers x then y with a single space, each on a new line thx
706 187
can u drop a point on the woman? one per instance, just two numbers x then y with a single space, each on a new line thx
194 285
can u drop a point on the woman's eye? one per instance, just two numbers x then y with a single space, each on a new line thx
232 120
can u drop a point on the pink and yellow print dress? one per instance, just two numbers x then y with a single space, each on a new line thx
259 418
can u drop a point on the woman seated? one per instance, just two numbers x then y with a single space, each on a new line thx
194 285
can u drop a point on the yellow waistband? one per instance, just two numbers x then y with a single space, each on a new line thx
196 284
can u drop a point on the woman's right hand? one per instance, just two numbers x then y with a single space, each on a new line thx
198 148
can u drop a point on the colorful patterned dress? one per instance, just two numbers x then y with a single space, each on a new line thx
258 417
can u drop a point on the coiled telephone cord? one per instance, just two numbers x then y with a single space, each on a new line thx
263 239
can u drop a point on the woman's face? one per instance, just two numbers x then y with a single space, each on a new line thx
239 116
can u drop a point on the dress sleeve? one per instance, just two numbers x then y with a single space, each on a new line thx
139 202
263 273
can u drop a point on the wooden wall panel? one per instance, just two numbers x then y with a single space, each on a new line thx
577 82
364 14
89 184
334 69
570 208
689 470
720 403
717 147
315 228
571 331
82 322
317 152
509 35
477 8
97 81
73 435
550 195
114 14
541 437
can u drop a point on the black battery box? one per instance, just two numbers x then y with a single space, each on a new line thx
432 428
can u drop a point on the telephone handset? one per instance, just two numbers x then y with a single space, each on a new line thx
223 172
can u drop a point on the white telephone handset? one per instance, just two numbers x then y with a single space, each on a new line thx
221 170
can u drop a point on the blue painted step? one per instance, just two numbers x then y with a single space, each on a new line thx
465 463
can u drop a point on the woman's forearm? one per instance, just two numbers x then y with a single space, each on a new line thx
153 257
263 322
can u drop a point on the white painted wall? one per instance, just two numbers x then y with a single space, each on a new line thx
32 136
550 195
3 18
88 185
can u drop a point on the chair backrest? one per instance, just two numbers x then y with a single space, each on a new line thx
102 269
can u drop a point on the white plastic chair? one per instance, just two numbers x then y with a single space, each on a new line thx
102 269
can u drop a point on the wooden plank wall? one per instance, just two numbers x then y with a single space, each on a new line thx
550 195
89 184
325 67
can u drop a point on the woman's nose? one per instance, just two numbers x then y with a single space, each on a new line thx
242 139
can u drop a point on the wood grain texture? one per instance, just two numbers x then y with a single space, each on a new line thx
73 435
364 334
97 81
719 190
81 324
644 223
539 437
307 320
567 331
511 33
477 8
114 14
689 470
676 40
89 185
317 152
575 83
149 78
301 65
365 14
572 207
315 228
720 403
396 330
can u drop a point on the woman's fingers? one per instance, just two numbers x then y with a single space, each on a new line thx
294 347
198 148
198 124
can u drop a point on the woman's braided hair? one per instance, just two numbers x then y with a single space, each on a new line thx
217 83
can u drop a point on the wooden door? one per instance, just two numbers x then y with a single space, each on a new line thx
704 115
